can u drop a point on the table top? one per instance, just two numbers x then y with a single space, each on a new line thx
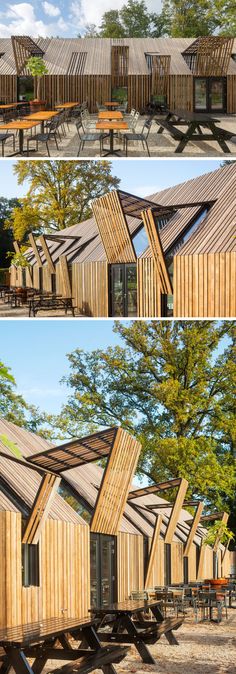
115 114
113 103
29 633
43 115
129 606
66 105
18 124
194 116
8 105
111 125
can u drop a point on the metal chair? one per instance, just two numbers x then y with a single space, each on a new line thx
87 137
45 137
139 137
4 137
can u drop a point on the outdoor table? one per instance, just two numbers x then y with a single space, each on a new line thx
110 114
111 104
111 127
42 117
38 640
66 105
6 106
194 122
128 615
21 126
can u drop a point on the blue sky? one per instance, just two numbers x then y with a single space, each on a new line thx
65 18
141 177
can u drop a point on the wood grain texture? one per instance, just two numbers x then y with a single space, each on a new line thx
65 276
178 503
116 483
193 529
47 253
113 228
153 551
148 288
90 288
205 285
41 507
157 251
130 571
34 247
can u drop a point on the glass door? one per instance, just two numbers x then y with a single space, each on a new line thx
200 94
123 290
210 94
102 569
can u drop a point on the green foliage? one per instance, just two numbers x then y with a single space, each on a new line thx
19 259
171 384
132 20
11 445
37 68
195 18
6 235
218 530
59 194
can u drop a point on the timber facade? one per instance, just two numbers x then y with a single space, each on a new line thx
173 253
59 560
196 75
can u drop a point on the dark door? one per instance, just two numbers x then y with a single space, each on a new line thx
210 94
123 290
103 569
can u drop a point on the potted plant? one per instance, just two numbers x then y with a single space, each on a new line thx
37 69
223 535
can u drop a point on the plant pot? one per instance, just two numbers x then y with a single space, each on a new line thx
217 582
36 105
23 294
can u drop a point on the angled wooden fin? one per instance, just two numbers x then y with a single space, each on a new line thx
178 504
153 551
114 489
34 247
157 251
193 528
65 276
47 253
40 509
16 246
113 228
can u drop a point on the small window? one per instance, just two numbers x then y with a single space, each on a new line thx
30 565
23 278
182 239
76 502
40 278
140 241
53 283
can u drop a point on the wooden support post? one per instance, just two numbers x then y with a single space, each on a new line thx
47 253
193 528
114 489
35 250
176 510
113 228
65 276
201 562
16 247
153 550
40 509
157 251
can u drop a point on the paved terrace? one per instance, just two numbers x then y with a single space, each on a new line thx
160 145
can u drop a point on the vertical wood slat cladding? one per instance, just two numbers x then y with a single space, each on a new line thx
65 284
157 576
113 228
114 489
130 572
177 563
41 507
180 92
64 572
90 288
205 285
192 563
8 88
160 70
176 509
156 249
205 566
62 88
149 293
153 551
193 529
231 94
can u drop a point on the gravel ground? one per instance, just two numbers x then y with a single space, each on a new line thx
204 648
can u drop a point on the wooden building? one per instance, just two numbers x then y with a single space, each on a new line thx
173 253
193 74
73 534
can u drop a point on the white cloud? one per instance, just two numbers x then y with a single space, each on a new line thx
91 12
50 10
21 20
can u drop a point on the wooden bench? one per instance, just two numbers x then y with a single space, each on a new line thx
105 656
175 133
156 630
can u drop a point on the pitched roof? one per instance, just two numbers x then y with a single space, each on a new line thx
59 59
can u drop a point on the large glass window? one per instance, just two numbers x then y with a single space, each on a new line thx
75 501
102 569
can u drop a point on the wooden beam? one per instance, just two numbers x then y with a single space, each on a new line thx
114 489
113 228
201 562
193 528
47 253
153 550
157 251
178 504
224 520
16 247
66 282
40 509
34 247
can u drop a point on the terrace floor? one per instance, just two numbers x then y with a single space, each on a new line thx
160 145
204 648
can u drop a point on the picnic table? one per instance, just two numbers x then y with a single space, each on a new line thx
21 126
42 116
129 625
115 125
49 301
49 639
195 122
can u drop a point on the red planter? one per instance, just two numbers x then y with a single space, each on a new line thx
217 582
37 106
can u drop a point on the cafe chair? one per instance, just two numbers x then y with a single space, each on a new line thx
138 137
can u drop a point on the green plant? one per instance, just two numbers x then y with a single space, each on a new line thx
19 259
37 68
218 531
11 445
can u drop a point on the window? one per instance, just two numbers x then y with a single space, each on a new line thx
140 241
25 88
182 239
30 565
167 564
75 501
40 278
53 283
23 278
145 554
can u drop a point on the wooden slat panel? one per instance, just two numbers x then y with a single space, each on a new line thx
177 564
10 576
33 244
40 509
205 285
90 288
193 529
153 551
148 286
130 572
157 252
47 254
66 284
113 228
115 485
176 510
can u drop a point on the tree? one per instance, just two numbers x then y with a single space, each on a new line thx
167 385
37 69
12 406
136 19
195 18
59 194
90 30
6 236
111 25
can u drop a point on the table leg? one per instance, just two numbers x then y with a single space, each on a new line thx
186 137
217 136
18 661
141 647
94 642
21 141
159 618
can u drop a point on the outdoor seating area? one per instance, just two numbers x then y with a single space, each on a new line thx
35 301
70 129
